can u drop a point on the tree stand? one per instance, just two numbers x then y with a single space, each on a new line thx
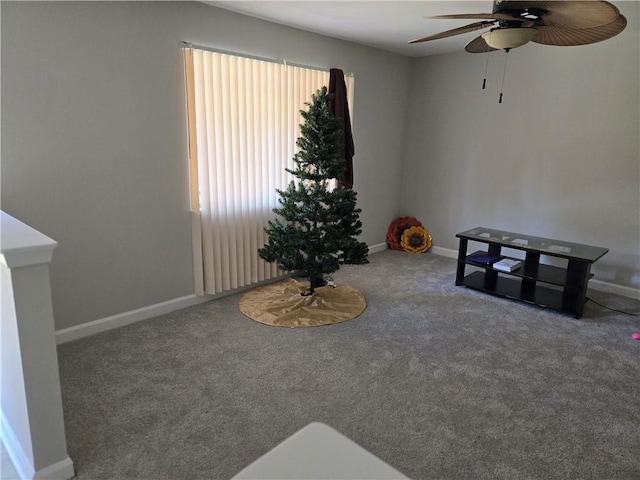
315 281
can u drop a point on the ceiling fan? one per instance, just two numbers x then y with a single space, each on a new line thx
515 23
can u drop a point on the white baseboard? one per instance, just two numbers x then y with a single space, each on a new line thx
593 284
378 247
21 463
127 318
444 252
62 470
613 288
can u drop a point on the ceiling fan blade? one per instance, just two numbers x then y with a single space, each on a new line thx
456 31
583 36
487 16
478 45
569 14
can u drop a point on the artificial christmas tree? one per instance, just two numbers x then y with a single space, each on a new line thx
317 227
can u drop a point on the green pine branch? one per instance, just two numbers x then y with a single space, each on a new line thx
316 228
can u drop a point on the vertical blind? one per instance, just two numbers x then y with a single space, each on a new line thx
244 120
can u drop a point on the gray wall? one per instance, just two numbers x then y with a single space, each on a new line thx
94 139
94 150
560 157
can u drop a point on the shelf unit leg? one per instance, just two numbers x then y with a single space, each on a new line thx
490 280
491 276
462 254
575 292
530 268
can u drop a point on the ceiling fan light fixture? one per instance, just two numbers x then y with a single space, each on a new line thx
503 38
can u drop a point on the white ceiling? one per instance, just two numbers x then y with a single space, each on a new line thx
388 25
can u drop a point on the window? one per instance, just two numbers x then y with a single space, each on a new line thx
244 120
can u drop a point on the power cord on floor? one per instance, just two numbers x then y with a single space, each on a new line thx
612 309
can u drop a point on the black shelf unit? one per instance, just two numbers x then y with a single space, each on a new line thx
560 288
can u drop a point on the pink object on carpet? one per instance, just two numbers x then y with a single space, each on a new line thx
635 336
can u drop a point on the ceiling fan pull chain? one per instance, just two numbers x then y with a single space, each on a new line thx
504 72
486 66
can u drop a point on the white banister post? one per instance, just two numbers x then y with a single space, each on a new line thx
31 415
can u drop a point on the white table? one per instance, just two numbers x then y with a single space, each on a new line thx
319 452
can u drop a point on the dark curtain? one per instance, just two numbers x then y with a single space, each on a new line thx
340 108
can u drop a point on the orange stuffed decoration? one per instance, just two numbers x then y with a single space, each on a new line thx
416 240
397 228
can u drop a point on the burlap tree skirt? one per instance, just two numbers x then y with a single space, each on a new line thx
280 304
